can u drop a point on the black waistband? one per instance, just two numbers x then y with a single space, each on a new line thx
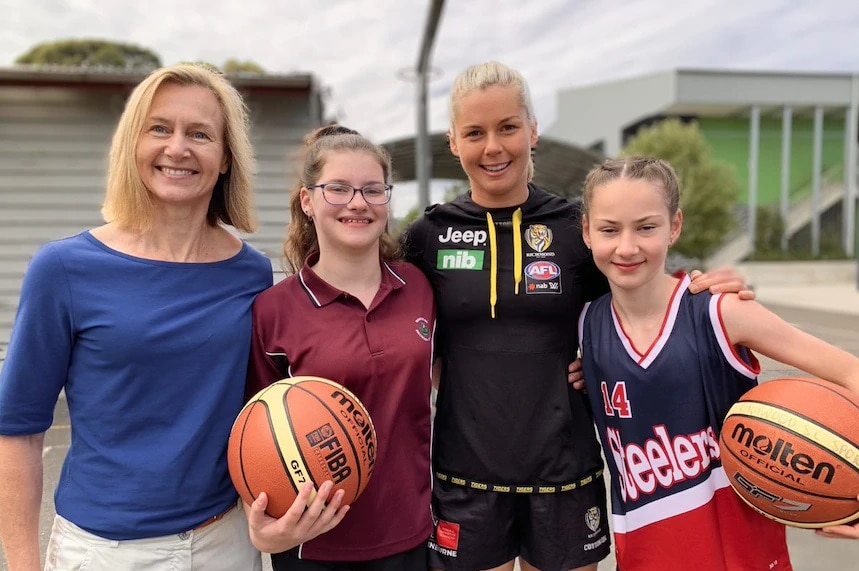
518 489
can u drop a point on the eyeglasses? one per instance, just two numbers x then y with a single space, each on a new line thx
340 193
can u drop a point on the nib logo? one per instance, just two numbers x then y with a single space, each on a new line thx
460 260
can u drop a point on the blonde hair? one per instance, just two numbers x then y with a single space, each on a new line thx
651 169
128 202
301 238
492 74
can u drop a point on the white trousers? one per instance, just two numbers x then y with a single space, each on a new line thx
221 546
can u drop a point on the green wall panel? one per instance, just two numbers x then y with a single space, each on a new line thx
729 139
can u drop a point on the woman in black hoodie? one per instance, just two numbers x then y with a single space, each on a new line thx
516 463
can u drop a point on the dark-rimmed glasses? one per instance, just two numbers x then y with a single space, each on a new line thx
340 193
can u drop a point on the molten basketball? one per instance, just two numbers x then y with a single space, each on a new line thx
300 429
790 449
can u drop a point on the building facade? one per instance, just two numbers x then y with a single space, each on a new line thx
791 137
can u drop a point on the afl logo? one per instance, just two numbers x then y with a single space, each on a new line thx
543 270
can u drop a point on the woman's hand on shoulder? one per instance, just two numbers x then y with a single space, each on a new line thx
720 280
300 523
575 376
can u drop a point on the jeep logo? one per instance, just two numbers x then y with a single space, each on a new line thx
473 237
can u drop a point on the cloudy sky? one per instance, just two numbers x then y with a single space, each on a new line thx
359 49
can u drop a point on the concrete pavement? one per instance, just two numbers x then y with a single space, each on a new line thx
839 298
831 285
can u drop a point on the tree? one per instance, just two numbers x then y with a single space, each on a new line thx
414 213
234 66
205 65
454 190
708 188
91 53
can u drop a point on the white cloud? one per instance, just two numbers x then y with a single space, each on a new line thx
357 47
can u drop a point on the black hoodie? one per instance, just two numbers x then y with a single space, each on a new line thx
510 284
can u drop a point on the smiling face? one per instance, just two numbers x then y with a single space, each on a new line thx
354 227
180 151
493 137
629 229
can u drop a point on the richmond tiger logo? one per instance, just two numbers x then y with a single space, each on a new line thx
539 237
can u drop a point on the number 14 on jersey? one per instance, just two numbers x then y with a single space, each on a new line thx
616 403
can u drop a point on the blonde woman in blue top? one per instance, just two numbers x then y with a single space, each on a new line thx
145 325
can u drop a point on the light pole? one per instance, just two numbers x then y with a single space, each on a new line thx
423 156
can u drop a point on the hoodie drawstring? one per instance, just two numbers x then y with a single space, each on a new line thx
493 265
493 258
517 250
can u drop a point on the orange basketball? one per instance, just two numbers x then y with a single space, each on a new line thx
300 429
790 449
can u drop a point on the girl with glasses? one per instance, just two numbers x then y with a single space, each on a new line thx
351 312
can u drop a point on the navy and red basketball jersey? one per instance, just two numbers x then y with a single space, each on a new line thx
658 414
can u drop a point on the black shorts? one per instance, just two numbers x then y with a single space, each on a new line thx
411 560
477 529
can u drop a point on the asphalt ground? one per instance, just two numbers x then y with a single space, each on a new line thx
808 551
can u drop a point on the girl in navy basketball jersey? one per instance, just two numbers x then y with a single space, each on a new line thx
661 367
351 313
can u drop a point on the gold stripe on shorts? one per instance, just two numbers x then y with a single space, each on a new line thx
514 489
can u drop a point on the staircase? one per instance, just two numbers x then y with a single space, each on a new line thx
738 248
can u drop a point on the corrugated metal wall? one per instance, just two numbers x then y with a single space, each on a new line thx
53 145
279 123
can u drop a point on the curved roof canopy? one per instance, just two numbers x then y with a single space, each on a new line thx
558 166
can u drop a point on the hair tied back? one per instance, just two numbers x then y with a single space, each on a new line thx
329 131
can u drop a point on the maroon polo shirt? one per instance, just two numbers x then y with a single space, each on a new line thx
304 326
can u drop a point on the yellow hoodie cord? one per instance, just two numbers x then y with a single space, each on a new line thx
493 265
493 257
517 250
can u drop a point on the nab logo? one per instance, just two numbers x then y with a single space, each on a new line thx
543 270
460 260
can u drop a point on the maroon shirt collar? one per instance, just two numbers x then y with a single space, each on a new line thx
321 293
